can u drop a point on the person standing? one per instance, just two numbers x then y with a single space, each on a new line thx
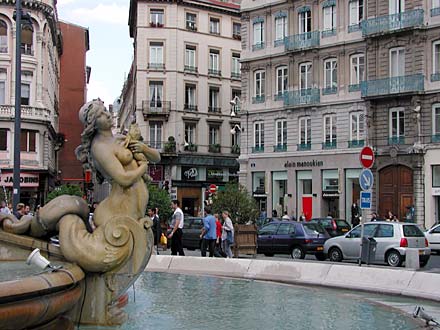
218 243
176 229
285 216
227 234
19 212
209 233
4 208
156 226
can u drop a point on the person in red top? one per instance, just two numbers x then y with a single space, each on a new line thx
218 242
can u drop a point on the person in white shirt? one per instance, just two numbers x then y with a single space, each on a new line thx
4 208
176 234
285 216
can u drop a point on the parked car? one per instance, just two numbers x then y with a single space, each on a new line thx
433 237
334 227
392 238
291 237
192 227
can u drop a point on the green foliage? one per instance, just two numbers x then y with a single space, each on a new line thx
65 189
236 199
161 199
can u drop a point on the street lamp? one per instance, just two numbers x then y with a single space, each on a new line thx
234 102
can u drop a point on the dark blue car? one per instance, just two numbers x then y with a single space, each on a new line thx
294 238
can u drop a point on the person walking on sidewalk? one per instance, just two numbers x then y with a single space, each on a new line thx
227 234
209 233
176 234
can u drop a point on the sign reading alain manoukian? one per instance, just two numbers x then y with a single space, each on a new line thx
308 163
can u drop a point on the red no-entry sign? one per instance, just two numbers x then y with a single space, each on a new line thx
367 157
212 188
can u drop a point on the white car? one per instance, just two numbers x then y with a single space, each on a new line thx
433 237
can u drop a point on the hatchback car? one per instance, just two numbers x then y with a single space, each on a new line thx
192 227
392 238
291 237
433 237
334 227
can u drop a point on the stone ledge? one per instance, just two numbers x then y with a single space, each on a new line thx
396 281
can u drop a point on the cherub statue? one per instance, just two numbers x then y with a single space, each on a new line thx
134 135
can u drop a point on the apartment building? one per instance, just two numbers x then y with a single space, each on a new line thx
321 79
41 48
185 72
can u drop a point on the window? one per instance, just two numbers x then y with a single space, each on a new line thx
259 135
156 92
3 139
281 134
214 25
330 130
357 121
396 6
260 81
305 75
156 135
397 123
282 82
28 140
286 229
214 62
236 137
269 229
436 57
259 33
3 37
435 4
190 133
156 17
356 9
190 58
236 66
27 37
331 75
2 92
385 231
397 62
236 31
329 18
25 93
436 121
213 100
436 175
190 97
305 21
191 23
305 132
280 28
156 55
213 135
357 69
236 94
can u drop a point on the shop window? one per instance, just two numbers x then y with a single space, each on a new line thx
258 183
436 176
330 180
279 192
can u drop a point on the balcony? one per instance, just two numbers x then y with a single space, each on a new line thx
302 97
354 28
356 143
213 72
393 85
280 148
258 149
328 33
192 147
235 75
214 148
393 140
354 88
258 46
278 42
190 107
156 108
330 90
156 66
435 12
302 41
329 145
190 69
392 23
304 146
435 138
280 96
214 109
435 77
258 99
27 112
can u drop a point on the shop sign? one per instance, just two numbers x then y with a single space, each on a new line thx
330 194
435 191
308 163
214 174
27 180
189 173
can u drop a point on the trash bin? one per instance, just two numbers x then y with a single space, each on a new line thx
368 252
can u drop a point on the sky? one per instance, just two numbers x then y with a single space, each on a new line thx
111 48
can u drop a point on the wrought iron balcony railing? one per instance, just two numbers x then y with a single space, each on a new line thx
329 90
354 88
280 148
235 75
156 66
435 138
300 97
393 85
394 22
356 143
190 68
257 149
435 11
328 33
156 107
258 99
258 46
435 76
329 145
214 148
215 109
302 41
304 146
396 140
190 107
213 72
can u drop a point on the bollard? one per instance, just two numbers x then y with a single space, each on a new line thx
412 259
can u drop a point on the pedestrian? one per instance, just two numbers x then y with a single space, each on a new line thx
302 217
208 234
218 243
274 214
176 229
19 212
4 208
389 216
285 216
227 234
374 216
27 210
157 230
394 218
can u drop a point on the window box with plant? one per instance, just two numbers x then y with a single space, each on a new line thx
214 148
191 147
235 149
170 145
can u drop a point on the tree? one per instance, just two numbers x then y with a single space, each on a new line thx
65 189
236 199
161 199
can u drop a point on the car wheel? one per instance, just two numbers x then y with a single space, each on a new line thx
394 259
268 254
297 253
423 263
335 254
320 256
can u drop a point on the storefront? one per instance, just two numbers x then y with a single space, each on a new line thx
432 188
352 191
32 187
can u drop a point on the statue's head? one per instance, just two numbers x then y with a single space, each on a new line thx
87 113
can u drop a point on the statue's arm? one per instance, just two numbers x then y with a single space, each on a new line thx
112 166
152 154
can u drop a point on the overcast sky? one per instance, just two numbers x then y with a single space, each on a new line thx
111 48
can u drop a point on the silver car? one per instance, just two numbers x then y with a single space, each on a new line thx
433 236
392 238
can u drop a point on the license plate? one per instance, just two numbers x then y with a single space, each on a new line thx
320 248
344 229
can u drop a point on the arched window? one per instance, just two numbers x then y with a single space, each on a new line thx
3 37
27 37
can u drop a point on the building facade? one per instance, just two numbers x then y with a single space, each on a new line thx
185 72
41 48
322 79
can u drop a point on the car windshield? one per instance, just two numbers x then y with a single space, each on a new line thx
412 231
313 229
